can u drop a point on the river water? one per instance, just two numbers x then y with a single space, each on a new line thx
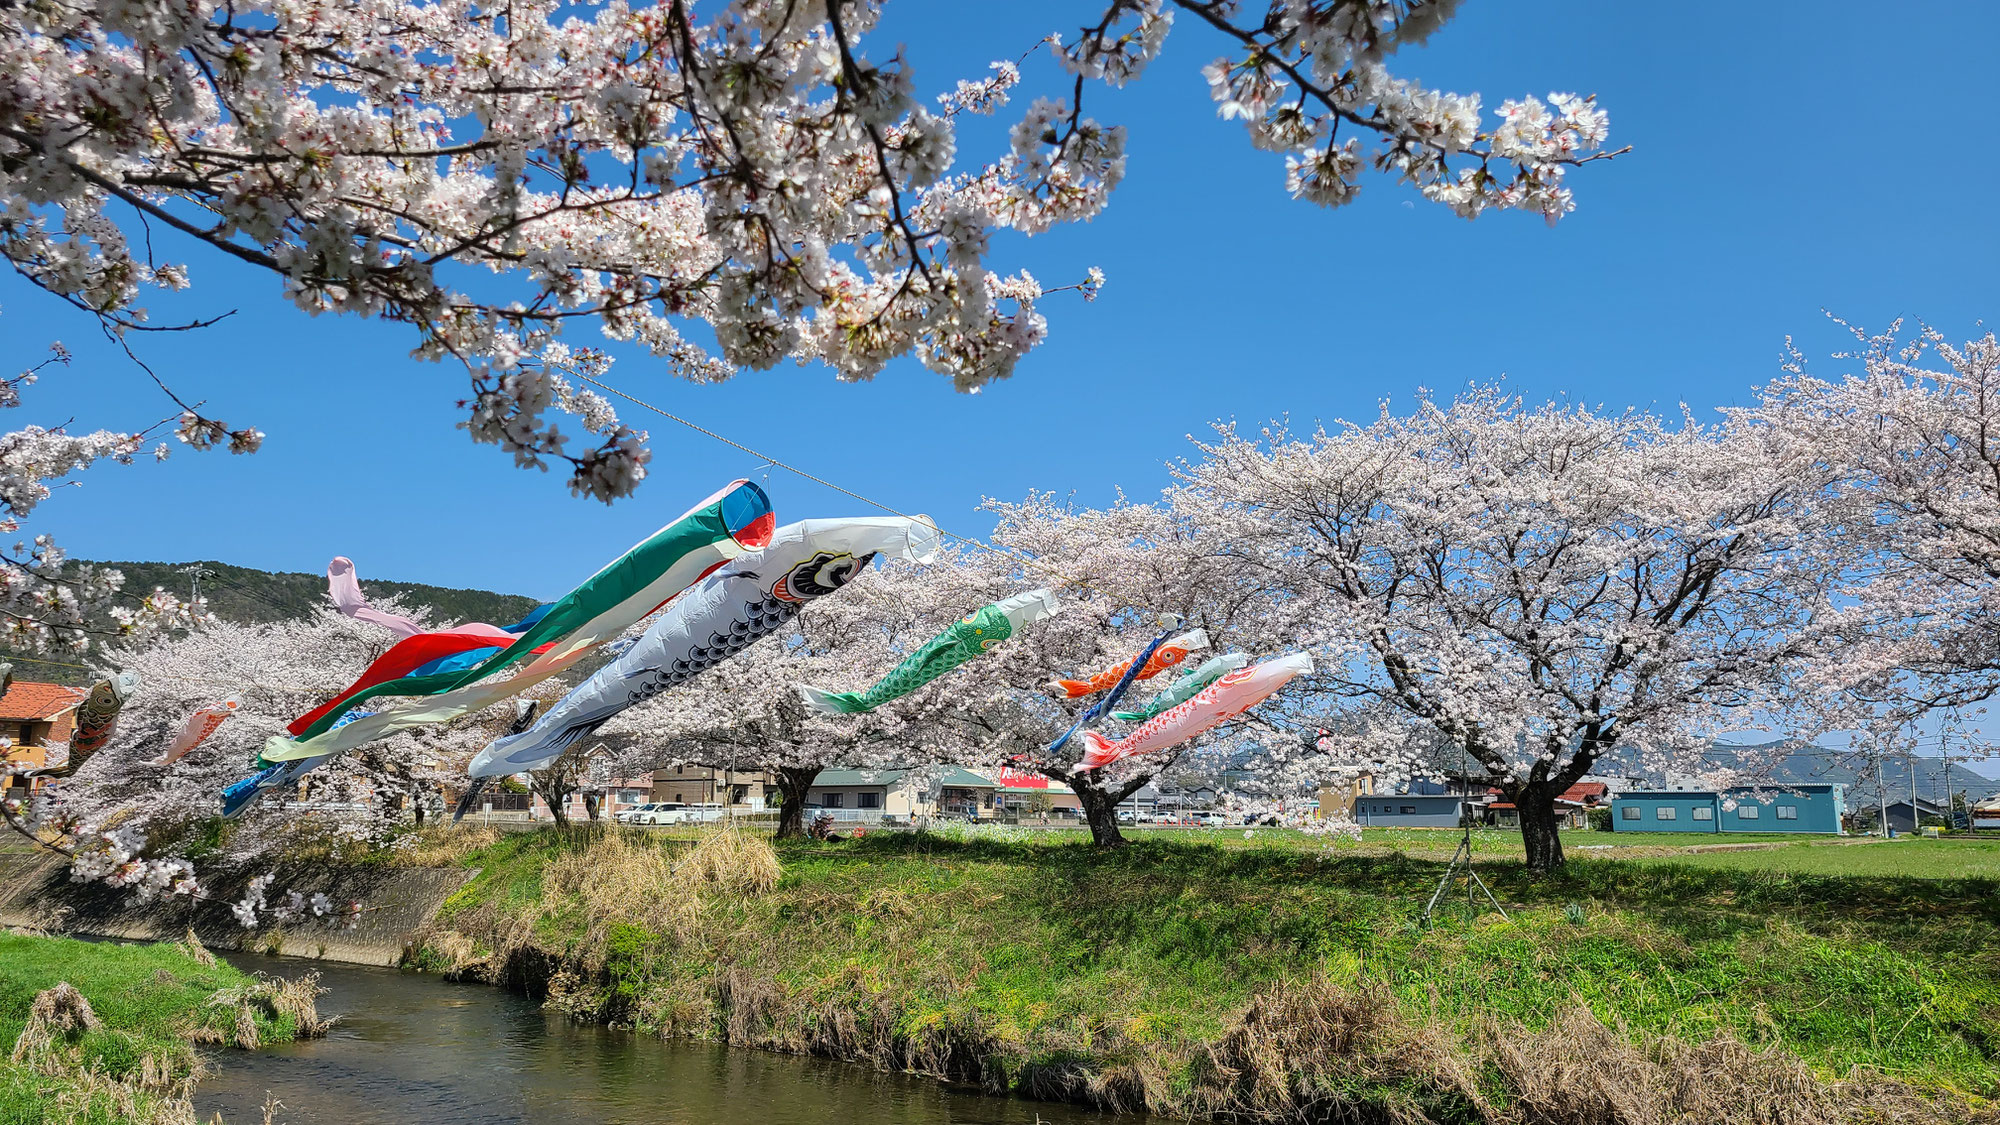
415 1050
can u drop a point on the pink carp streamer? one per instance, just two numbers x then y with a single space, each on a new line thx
198 727
1219 702
343 585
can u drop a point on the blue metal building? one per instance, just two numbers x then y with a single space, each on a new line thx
1742 808
1408 810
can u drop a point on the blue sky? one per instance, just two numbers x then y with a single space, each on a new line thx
1788 159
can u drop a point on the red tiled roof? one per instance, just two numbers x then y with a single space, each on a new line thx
1585 791
26 699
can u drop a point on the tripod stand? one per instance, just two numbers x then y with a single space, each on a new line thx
1463 856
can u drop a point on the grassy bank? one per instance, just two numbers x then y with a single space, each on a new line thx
1271 980
104 1033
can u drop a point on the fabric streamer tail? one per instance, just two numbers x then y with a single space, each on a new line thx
1097 751
831 702
466 802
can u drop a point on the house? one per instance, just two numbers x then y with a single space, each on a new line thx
1410 810
684 784
966 794
903 794
1342 797
33 715
1902 816
1740 808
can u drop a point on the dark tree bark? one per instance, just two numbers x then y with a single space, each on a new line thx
1100 802
554 788
794 782
1100 811
1541 833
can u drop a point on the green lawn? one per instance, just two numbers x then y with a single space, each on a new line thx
1123 977
153 1001
1903 858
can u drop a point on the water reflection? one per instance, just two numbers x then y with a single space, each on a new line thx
411 1048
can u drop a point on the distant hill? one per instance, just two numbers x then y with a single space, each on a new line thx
1856 770
241 594
247 596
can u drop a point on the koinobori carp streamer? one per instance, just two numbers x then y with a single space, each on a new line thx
1184 689
733 521
966 638
721 616
1226 698
1169 654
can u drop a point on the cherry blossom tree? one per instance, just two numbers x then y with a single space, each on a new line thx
1539 585
47 602
1913 441
763 169
128 818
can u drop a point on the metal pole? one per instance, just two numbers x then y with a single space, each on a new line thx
1910 763
1881 788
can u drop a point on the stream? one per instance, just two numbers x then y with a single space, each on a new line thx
410 1048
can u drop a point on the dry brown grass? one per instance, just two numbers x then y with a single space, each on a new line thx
615 876
1325 1053
277 998
196 951
445 846
47 1045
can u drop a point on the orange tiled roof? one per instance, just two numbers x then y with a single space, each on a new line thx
26 699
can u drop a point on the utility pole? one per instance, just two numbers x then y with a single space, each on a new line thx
1945 731
1881 787
196 572
1910 764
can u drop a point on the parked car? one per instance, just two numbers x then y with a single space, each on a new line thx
659 812
632 815
1209 820
1127 816
700 814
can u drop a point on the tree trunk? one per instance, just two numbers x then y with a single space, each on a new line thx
1100 811
794 783
557 799
1539 828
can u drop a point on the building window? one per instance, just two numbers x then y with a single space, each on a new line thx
836 800
1666 812
1704 813
1408 810
1629 812
1750 812
868 800
1788 812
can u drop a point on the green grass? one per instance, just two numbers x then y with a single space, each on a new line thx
1904 858
1046 953
152 1000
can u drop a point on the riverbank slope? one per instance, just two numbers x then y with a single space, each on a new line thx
104 1034
1280 982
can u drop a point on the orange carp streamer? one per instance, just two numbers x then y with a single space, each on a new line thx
1169 654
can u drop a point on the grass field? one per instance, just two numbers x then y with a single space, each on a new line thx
151 1004
1287 979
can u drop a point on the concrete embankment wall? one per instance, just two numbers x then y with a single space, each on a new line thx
35 891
